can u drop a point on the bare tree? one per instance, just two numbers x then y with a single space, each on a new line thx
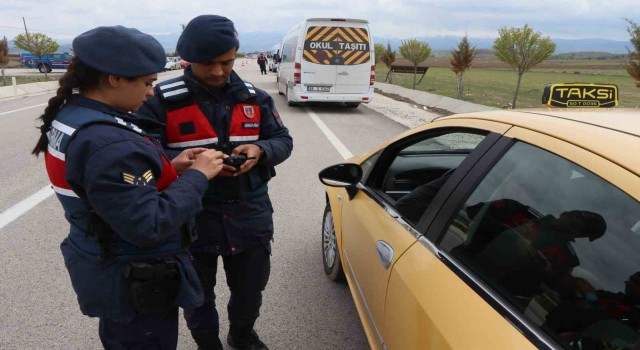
416 52
38 44
460 61
4 56
522 48
388 57
633 64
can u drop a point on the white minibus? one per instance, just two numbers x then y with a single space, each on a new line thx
327 60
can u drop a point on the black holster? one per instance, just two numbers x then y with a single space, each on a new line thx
153 285
105 236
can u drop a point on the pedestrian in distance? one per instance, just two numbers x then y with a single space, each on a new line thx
262 62
211 106
130 208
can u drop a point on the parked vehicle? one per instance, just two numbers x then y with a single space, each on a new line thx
327 60
273 58
173 63
58 60
498 229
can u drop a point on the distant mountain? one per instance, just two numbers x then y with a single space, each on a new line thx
64 47
562 45
263 41
249 42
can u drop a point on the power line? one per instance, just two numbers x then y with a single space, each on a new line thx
37 30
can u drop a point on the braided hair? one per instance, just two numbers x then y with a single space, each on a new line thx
79 77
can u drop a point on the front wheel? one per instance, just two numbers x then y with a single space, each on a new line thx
43 68
330 254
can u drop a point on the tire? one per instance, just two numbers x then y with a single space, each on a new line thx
352 104
330 255
43 68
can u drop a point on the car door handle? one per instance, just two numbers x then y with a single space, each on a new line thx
343 73
385 253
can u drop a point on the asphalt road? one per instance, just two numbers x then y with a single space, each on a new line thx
302 309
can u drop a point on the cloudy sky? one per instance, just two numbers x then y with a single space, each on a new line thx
401 19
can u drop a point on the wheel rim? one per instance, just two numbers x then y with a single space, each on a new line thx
329 240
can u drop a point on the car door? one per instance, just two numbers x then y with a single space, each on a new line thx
375 233
536 248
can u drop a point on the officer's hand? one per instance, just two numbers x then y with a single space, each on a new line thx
250 150
208 162
228 171
185 159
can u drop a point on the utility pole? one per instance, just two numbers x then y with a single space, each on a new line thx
25 26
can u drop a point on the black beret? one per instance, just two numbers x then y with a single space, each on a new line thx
207 37
121 51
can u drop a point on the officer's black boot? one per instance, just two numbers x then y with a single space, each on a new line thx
207 340
245 339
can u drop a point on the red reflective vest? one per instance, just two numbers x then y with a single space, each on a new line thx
187 126
61 133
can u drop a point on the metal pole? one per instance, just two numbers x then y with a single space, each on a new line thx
25 26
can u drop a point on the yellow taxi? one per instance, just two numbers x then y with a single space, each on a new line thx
500 229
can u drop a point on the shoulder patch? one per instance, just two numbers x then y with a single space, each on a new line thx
173 89
277 116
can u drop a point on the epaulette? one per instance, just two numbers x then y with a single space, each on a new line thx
251 88
173 89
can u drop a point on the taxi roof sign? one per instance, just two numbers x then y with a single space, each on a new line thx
580 95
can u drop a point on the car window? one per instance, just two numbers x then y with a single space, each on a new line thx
557 242
412 171
368 164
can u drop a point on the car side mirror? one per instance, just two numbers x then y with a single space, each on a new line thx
341 175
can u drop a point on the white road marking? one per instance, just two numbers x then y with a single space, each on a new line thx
344 152
22 109
9 215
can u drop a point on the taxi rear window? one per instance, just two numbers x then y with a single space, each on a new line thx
331 45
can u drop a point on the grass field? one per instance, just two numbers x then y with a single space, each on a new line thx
29 79
492 83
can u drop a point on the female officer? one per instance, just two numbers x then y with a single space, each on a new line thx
130 208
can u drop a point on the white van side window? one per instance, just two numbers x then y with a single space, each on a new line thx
336 45
289 50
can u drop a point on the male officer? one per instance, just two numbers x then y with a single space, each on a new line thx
211 106
262 62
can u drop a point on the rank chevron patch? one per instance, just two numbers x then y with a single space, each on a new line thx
141 180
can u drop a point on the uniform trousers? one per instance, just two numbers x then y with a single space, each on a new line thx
153 331
247 276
